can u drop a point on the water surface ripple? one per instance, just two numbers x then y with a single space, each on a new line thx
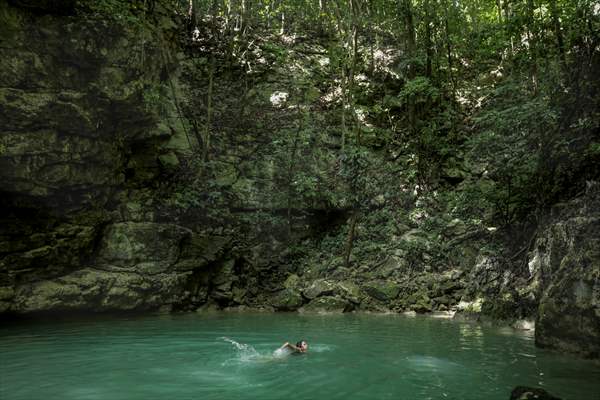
232 356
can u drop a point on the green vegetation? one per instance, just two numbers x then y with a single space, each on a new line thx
488 108
405 155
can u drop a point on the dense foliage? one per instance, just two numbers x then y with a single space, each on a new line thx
499 97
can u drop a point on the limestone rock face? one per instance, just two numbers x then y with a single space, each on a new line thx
566 262
85 116
73 109
90 289
142 247
138 267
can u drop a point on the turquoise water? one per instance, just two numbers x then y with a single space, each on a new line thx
231 356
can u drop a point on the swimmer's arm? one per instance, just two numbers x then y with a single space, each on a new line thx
291 346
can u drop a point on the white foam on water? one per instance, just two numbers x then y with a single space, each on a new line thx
527 355
320 348
246 352
280 353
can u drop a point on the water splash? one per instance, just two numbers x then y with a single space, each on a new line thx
280 353
320 348
246 352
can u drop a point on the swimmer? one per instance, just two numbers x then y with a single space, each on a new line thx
300 347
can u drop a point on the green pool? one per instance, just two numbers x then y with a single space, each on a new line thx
231 356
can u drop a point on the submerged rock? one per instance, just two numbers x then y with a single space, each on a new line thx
527 393
524 325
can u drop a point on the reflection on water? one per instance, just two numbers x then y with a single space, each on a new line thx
432 364
471 336
226 356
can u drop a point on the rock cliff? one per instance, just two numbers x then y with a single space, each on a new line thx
566 262
87 116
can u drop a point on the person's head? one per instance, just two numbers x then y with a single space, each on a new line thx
302 345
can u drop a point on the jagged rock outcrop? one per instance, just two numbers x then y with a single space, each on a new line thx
566 264
139 266
87 114
328 304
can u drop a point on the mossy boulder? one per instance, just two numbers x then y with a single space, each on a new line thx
381 290
318 288
350 291
328 304
292 282
420 302
169 161
287 300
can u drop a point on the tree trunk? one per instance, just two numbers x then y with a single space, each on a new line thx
499 6
292 163
321 19
209 96
532 39
208 126
411 40
558 32
428 49
449 50
344 102
411 50
353 63
192 15
350 237
228 15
